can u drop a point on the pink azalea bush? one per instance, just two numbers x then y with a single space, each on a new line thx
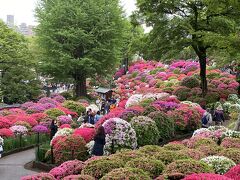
206 176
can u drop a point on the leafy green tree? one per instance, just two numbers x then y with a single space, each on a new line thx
207 26
80 38
18 79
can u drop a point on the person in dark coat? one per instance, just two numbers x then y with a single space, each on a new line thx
99 142
219 116
54 129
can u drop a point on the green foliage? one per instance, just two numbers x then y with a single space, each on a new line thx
128 155
151 150
153 167
54 113
79 39
174 147
42 155
231 153
164 123
126 173
19 81
67 95
146 130
190 82
182 93
74 106
98 168
188 166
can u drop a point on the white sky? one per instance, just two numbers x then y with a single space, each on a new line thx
23 10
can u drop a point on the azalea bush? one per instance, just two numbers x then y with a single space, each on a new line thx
231 143
74 106
146 130
153 167
206 176
126 173
69 148
188 167
231 153
46 176
86 133
19 130
64 119
220 164
5 133
119 134
100 167
54 113
233 173
40 129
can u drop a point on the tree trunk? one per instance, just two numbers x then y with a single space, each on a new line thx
203 66
80 85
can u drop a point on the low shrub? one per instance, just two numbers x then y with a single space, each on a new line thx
206 176
231 153
187 167
151 150
192 153
190 82
153 167
168 157
98 168
128 155
209 150
69 148
174 147
126 173
182 93
86 133
146 130
233 173
54 113
5 133
166 125
45 176
231 143
78 177
74 106
67 95
220 164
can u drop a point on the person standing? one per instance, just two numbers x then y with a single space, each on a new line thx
54 129
219 115
97 117
99 142
207 119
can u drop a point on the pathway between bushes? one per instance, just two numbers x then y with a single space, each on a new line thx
12 166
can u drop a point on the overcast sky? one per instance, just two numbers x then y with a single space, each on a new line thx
23 9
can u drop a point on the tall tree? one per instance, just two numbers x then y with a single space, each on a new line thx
18 81
79 38
205 25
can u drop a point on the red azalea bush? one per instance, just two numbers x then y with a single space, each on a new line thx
234 173
206 176
69 147
79 177
17 111
4 132
186 118
86 133
67 168
38 116
4 123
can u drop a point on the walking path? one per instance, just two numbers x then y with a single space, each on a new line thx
12 166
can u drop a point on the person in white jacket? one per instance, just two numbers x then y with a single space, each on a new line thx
207 115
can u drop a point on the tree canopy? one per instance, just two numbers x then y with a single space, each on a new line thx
18 79
79 39
209 27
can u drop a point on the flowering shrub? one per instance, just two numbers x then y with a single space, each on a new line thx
67 168
45 176
4 132
231 133
69 147
98 168
146 130
164 123
86 133
195 142
65 126
192 153
126 173
187 167
59 99
220 164
38 116
46 100
182 93
128 155
26 105
64 119
4 123
19 130
231 143
36 108
168 157
174 147
54 113
153 167
233 173
40 129
120 133
63 132
206 176
25 124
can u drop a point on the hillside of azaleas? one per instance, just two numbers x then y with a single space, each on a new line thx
181 78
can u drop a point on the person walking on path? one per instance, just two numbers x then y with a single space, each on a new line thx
219 115
207 119
99 142
54 129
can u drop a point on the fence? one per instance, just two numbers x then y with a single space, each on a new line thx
20 142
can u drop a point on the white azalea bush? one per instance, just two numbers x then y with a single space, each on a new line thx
62 132
19 130
119 135
231 133
134 100
90 147
220 164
